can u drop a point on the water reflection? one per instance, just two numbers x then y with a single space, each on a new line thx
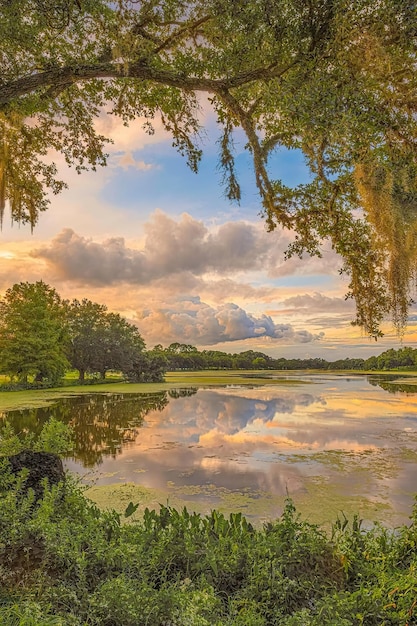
102 423
342 431
388 383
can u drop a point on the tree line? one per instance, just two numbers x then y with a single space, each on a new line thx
43 335
180 356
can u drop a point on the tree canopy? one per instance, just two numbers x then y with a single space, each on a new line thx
102 341
42 335
33 338
333 78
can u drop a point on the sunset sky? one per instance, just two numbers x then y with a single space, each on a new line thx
165 248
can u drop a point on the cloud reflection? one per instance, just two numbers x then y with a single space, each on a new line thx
268 439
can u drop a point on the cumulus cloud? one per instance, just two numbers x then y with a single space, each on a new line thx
170 247
193 321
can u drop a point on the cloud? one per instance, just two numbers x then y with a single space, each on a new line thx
331 321
193 321
328 264
73 257
127 160
134 136
317 303
224 289
170 247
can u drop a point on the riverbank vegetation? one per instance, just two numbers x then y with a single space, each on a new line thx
187 357
65 562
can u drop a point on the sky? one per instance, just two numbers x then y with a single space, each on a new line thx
164 247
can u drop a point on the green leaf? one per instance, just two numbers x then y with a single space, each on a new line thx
130 509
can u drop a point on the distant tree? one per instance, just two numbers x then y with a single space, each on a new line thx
183 356
86 322
121 345
346 364
392 359
33 335
149 366
388 360
101 341
371 363
334 79
260 363
215 359
406 356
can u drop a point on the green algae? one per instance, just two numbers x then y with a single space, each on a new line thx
355 483
381 463
319 502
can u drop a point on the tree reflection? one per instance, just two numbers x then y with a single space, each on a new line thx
102 424
185 392
387 383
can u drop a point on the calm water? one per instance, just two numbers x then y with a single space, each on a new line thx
328 437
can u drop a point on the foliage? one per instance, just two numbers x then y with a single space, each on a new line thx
55 436
122 344
148 367
405 358
32 333
71 563
332 79
85 324
187 357
100 340
41 335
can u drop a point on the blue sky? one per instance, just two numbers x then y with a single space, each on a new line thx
164 247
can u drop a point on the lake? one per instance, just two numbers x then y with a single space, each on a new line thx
330 442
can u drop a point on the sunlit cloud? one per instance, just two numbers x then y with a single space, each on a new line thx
317 303
170 247
193 321
127 160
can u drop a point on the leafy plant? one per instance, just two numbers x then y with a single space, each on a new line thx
64 561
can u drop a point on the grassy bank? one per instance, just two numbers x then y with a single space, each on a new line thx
10 400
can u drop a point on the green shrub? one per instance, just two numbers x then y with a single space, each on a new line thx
55 437
63 561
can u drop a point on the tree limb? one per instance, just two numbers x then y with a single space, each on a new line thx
262 178
141 70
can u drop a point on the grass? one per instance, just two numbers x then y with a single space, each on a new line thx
10 400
